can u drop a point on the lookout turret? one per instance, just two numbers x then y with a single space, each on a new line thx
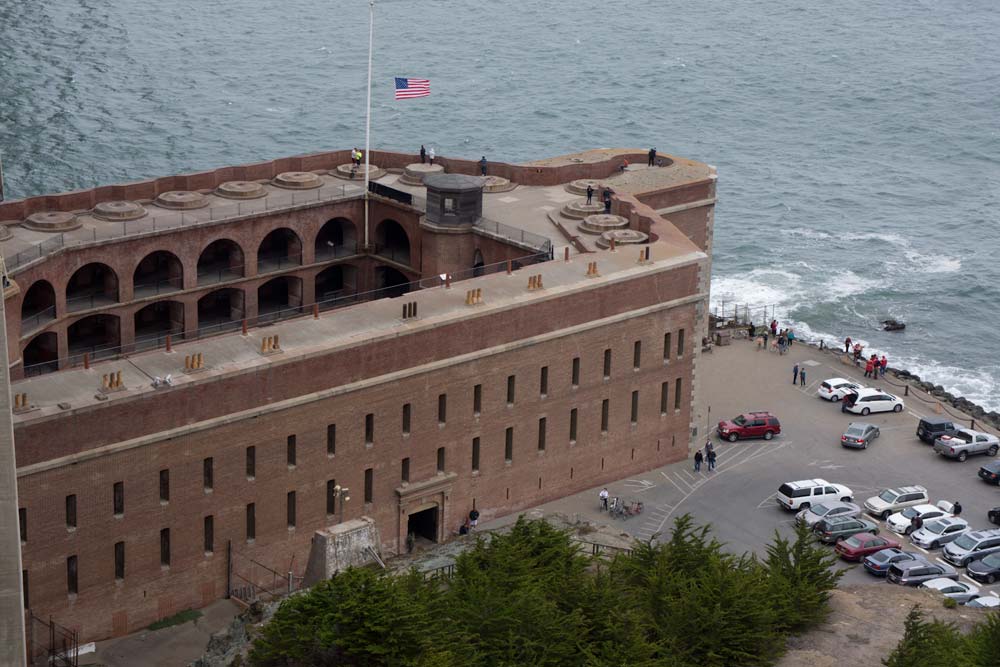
454 200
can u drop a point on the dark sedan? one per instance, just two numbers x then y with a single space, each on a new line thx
990 473
879 562
986 569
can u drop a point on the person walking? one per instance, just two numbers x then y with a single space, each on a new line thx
802 377
697 461
652 157
482 166
791 337
847 345
590 194
423 154
765 339
916 523
709 448
603 495
711 460
795 374
430 156
774 328
882 366
751 330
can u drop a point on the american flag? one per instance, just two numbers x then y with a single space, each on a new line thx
407 88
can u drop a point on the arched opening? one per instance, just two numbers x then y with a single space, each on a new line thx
221 310
279 250
392 241
336 238
38 305
98 335
478 263
154 322
220 261
157 273
41 355
391 281
92 286
279 298
336 285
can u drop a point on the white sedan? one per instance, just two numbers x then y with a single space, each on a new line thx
959 591
835 389
902 522
875 400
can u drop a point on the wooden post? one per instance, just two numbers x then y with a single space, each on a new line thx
566 254
244 327
86 360
169 348
315 311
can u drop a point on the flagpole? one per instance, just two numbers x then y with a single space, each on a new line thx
368 116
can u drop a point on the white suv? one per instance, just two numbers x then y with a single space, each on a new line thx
808 492
890 501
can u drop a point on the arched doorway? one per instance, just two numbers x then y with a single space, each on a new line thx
221 310
336 285
221 260
391 281
91 286
41 354
38 306
392 241
98 335
336 238
279 298
157 320
279 250
158 272
478 263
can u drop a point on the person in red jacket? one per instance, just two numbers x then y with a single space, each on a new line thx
882 366
869 367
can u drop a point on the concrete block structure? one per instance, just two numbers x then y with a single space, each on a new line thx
201 363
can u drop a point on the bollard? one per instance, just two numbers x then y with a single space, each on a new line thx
447 281
647 253
169 348
277 344
509 269
263 345
187 362
906 390
86 360
244 327
118 379
315 311
612 244
104 382
17 402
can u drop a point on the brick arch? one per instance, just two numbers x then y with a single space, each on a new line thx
338 237
280 248
219 260
157 272
392 240
92 285
38 305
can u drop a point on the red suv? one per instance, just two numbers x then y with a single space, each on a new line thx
750 425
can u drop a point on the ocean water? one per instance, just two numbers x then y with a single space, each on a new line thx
857 142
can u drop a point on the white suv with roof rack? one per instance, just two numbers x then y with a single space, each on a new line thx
890 501
808 492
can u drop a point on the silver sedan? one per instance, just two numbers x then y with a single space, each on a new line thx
859 435
959 591
813 515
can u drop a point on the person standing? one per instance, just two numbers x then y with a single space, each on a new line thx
482 166
802 377
869 366
795 374
697 461
774 328
751 330
652 157
423 154
956 508
711 460
590 194
606 195
473 519
430 155
791 337
603 495
916 523
847 345
883 365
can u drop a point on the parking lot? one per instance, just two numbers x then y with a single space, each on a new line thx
738 498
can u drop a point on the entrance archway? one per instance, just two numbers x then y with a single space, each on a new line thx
158 272
38 305
220 261
392 281
336 238
220 310
99 335
279 249
279 297
41 355
392 241
154 322
423 525
478 263
92 285
334 285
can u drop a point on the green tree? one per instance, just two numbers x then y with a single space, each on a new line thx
984 641
929 644
802 574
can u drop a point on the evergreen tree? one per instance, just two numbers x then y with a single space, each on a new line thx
802 574
930 644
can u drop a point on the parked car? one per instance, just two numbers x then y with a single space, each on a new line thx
939 532
959 591
749 425
808 492
964 442
860 545
890 501
984 602
830 530
990 473
813 515
971 545
931 428
859 435
902 522
986 569
834 389
875 400
879 562
994 515
914 572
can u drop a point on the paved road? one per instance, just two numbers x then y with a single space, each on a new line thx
738 498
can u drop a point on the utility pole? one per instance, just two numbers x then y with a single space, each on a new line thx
368 114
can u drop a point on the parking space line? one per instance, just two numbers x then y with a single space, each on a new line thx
971 580
671 480
920 548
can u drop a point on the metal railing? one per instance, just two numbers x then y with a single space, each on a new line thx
278 261
88 300
526 239
161 286
32 322
50 644
324 253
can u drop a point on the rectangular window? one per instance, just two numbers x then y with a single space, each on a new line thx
22 523
572 425
541 434
369 484
119 560
637 354
251 462
71 511
607 363
508 444
664 397
290 451
208 473
635 407
331 439
406 418
209 534
680 343
605 414
165 546
119 493
477 399
24 587
290 509
369 428
440 459
251 522
510 390
331 496
442 408
71 575
475 455
543 381
677 395
666 347
404 470
576 372
164 486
